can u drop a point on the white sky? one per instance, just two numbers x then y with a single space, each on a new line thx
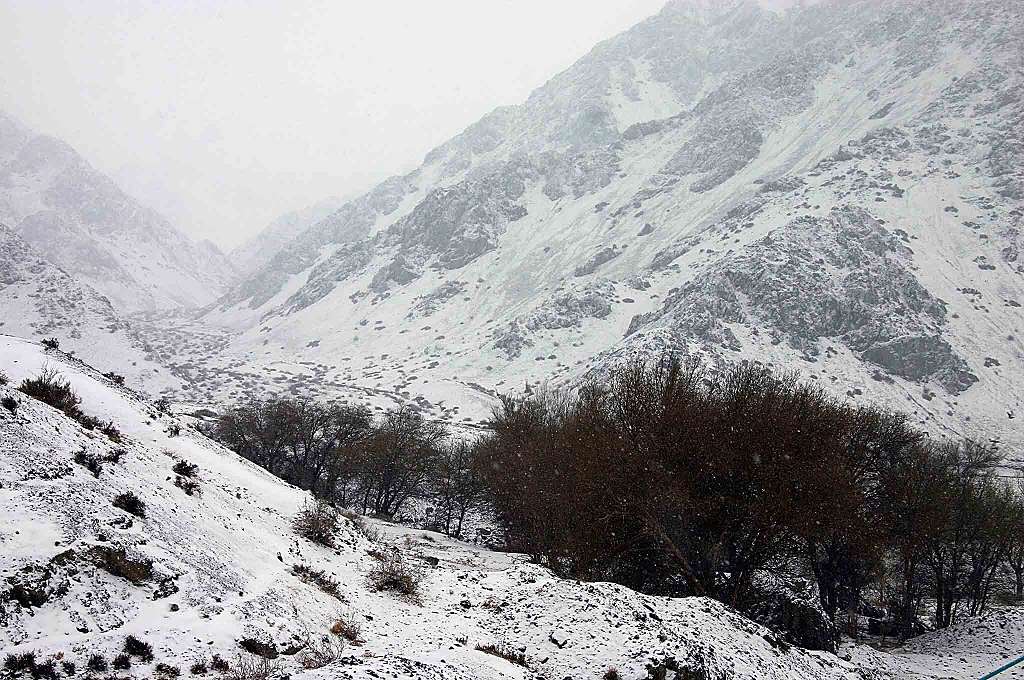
223 114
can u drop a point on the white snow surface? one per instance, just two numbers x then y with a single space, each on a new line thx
228 554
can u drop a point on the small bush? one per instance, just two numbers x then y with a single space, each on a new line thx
395 574
318 578
189 486
117 562
9 403
321 652
612 674
122 662
347 627
51 343
89 462
173 430
45 671
17 663
130 503
51 388
114 378
252 668
88 422
219 664
369 532
141 650
164 670
266 650
318 521
96 662
69 668
198 668
3 378
185 469
112 432
504 652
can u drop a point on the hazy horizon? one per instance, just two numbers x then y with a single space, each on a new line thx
223 116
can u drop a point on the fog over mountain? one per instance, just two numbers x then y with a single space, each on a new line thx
700 353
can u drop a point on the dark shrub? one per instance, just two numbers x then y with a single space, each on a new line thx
174 429
394 573
51 343
114 378
45 671
318 521
17 663
97 662
89 462
69 668
3 378
110 429
51 388
267 650
347 627
318 578
9 403
122 662
88 422
504 652
198 668
117 562
189 486
130 503
164 670
141 650
185 468
219 664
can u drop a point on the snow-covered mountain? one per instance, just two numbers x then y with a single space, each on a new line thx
196 574
262 247
85 224
39 300
836 189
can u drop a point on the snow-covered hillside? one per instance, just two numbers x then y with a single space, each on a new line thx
835 189
217 568
85 224
39 300
262 247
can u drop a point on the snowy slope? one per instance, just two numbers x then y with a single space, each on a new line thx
835 189
86 225
38 300
221 569
262 247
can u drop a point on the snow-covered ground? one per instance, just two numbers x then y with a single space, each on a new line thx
222 560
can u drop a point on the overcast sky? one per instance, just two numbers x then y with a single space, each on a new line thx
223 114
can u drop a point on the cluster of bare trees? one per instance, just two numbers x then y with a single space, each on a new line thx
344 455
672 479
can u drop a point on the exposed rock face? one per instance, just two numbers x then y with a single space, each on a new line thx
816 189
843 277
87 226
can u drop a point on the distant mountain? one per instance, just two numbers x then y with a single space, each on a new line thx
262 247
80 220
836 189
39 300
